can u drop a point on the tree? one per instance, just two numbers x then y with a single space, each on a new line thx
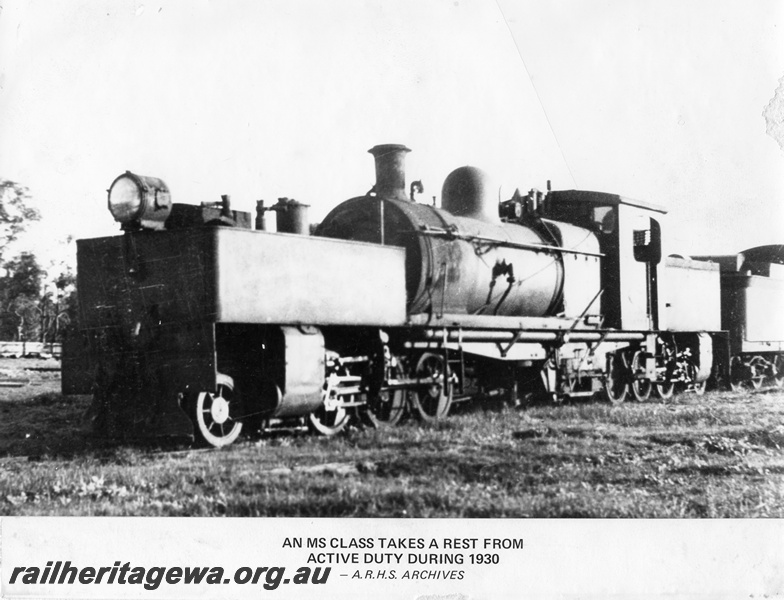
60 305
36 304
15 212
22 276
21 294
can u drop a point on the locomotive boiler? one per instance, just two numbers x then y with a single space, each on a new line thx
195 325
461 258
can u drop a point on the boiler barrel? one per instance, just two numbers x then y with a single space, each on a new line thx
457 264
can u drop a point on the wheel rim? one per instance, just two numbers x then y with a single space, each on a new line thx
615 384
329 422
432 402
386 407
752 383
331 417
737 386
214 421
696 387
778 369
641 388
669 352
665 390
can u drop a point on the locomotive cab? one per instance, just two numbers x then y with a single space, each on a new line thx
673 300
630 239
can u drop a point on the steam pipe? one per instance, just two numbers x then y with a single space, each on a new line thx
532 336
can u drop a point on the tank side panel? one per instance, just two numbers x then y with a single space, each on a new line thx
764 299
690 295
290 279
147 298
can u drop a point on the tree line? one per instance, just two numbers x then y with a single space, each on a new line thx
37 303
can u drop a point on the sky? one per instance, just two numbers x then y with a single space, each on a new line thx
659 101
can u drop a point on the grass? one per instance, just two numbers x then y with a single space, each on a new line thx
720 455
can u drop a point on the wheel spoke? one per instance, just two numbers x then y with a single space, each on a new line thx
385 407
615 385
641 388
213 411
431 400
330 418
665 390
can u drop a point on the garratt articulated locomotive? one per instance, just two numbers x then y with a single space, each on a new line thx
193 323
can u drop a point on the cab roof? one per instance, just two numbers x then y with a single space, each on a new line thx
602 198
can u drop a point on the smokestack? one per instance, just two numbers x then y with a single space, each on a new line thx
390 170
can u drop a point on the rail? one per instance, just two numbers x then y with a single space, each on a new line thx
453 235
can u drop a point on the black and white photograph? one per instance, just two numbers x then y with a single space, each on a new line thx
401 296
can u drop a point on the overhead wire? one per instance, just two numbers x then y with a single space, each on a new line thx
536 93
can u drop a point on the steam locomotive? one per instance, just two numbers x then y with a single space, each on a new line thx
195 324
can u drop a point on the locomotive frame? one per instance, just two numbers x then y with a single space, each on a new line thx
194 325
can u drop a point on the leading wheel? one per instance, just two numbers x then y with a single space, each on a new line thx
432 400
215 423
641 388
616 380
331 417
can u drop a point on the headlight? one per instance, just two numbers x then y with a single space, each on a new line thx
139 202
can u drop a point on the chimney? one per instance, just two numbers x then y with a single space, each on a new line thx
390 171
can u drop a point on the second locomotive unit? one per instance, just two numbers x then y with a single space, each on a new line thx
194 324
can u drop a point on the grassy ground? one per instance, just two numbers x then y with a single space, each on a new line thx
721 455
